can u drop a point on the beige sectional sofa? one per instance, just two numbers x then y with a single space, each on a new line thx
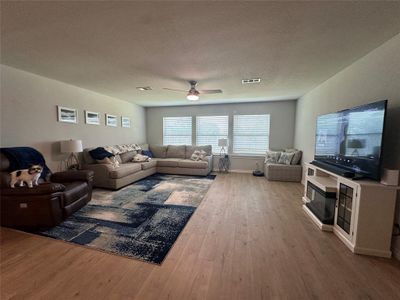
176 160
167 159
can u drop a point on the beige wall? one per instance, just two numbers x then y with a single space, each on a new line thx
29 115
282 124
376 76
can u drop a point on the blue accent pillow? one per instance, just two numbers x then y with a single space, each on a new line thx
100 153
147 153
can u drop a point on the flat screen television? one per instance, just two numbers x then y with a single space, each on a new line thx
349 142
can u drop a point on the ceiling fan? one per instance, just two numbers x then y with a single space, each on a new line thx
193 93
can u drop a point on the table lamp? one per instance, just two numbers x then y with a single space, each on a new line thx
71 147
223 143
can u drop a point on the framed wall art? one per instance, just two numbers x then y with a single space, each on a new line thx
111 120
125 122
67 115
92 117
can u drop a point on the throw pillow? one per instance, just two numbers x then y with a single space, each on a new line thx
202 155
109 161
297 156
128 156
112 149
100 153
286 158
147 153
195 156
272 157
140 158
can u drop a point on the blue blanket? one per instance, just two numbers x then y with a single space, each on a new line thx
21 157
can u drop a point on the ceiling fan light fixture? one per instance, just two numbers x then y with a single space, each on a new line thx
192 97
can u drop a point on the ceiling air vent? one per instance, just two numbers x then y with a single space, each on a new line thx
252 80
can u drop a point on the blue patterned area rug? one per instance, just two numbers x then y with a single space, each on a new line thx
142 220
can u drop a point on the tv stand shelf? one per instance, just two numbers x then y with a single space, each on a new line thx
325 183
363 210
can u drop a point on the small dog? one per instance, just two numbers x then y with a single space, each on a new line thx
30 176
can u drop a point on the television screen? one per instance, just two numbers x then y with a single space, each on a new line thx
352 139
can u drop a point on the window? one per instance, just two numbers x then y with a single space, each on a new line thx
250 134
177 130
209 129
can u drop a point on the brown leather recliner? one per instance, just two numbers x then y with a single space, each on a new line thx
45 205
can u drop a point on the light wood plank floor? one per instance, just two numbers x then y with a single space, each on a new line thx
249 239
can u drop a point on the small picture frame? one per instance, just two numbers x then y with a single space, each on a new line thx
67 115
111 120
92 118
125 122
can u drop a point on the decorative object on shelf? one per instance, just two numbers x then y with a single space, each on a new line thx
257 172
71 147
92 118
125 122
223 143
67 115
111 120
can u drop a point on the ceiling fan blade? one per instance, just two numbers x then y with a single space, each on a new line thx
175 90
210 91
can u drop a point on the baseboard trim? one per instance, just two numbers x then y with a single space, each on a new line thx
373 252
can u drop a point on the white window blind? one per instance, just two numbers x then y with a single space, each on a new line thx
211 128
251 134
177 130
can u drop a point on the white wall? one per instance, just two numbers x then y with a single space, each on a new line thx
376 76
282 124
29 115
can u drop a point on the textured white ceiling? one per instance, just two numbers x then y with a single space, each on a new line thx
112 47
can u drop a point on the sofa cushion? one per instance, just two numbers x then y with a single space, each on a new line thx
297 156
127 156
286 158
168 162
187 163
191 149
87 158
272 157
149 164
125 170
74 191
176 151
159 151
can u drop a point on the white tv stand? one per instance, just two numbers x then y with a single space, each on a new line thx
363 212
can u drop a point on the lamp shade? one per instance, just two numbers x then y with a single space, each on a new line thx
71 146
222 142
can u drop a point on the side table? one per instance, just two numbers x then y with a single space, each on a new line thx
224 163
